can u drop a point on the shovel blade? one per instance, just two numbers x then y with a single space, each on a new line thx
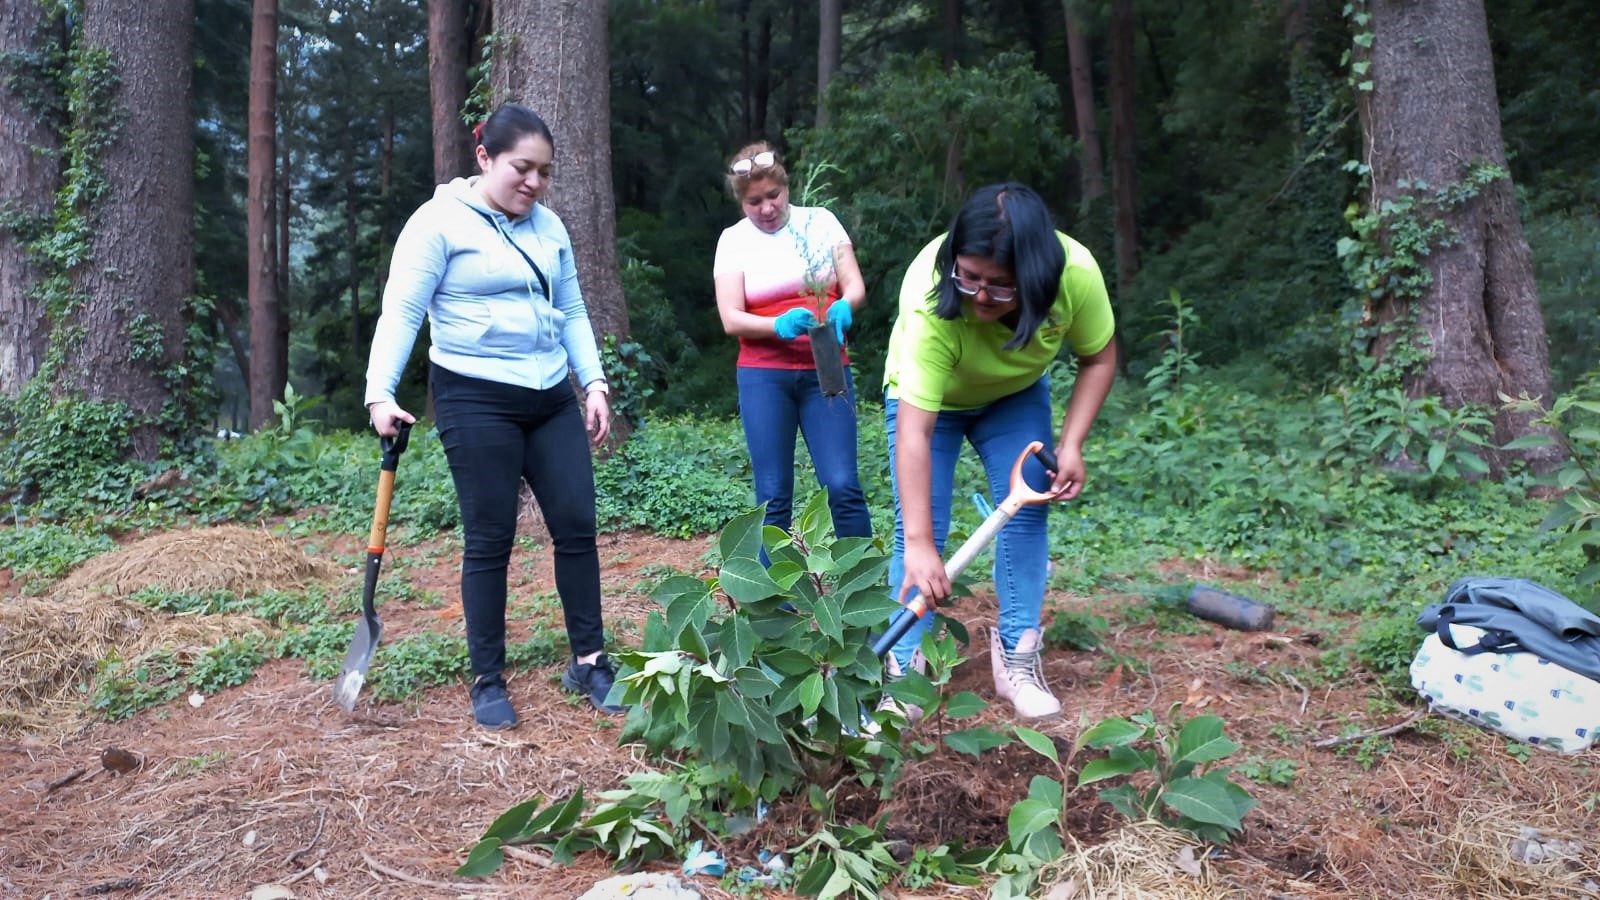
356 662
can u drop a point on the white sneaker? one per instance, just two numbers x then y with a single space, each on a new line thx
1019 676
892 673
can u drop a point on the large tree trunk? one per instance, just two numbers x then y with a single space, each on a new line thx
1092 166
830 22
1430 119
448 60
950 34
29 175
1123 154
141 275
558 66
268 340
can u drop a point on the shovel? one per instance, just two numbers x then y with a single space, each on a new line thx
1020 495
369 630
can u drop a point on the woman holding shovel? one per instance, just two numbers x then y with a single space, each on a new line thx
781 271
492 270
984 309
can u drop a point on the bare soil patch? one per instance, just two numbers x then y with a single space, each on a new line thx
271 782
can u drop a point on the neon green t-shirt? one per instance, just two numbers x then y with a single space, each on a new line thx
938 364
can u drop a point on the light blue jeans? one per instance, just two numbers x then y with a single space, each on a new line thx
775 404
999 432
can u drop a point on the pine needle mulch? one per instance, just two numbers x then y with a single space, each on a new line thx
51 645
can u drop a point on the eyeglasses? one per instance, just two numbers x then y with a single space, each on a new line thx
971 286
766 159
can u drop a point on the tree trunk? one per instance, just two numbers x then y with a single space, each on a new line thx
1092 166
29 175
558 66
761 85
137 285
1122 146
830 23
1431 118
448 35
267 378
352 234
950 31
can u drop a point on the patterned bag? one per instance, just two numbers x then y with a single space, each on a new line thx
1517 694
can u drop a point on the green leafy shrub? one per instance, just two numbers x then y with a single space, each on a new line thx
675 476
1174 757
48 550
229 664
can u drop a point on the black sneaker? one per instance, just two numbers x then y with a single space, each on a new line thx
593 680
491 706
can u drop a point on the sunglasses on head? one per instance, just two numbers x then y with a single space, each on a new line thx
766 159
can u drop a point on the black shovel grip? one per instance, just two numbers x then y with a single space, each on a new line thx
394 446
1047 458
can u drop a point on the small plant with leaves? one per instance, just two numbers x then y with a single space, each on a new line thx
1174 758
1575 418
845 861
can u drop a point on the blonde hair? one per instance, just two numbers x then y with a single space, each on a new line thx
738 184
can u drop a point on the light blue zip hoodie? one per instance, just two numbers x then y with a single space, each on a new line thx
454 262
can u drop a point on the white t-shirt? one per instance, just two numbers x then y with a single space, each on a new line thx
782 270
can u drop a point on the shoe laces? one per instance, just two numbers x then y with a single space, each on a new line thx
1025 668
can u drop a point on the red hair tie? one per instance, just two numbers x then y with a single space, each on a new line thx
477 133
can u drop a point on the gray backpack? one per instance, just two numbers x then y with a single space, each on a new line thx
1517 614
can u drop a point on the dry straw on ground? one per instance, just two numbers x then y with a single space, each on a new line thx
1141 861
50 645
1487 854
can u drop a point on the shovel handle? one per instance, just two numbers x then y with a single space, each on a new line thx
392 448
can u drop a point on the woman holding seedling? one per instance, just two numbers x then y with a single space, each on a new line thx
492 270
780 271
984 309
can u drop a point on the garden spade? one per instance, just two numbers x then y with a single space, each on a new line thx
369 630
1019 496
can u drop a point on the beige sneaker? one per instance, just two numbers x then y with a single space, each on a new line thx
892 673
1019 676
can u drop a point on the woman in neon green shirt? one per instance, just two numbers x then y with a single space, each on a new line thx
984 309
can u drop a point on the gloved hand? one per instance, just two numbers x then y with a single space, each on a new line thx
842 317
794 323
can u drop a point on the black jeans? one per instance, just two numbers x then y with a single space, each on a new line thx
495 436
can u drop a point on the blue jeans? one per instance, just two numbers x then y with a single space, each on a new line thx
999 432
774 404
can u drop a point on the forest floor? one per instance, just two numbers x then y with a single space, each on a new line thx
272 783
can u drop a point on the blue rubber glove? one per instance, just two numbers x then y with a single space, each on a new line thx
842 318
794 323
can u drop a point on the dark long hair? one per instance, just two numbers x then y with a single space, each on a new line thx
1009 224
510 124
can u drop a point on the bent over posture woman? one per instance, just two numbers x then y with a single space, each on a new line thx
492 270
983 311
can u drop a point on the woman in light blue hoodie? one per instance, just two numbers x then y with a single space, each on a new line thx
492 270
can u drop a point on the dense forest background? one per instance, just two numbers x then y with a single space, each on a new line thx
1275 190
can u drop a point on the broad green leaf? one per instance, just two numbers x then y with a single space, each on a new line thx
559 817
815 522
1028 817
1101 769
667 592
686 613
1039 742
811 693
1201 800
754 683
865 573
512 820
1111 733
1201 740
965 704
914 688
741 538
747 580
974 741
1436 456
786 572
1047 789
828 618
483 860
738 641
869 607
